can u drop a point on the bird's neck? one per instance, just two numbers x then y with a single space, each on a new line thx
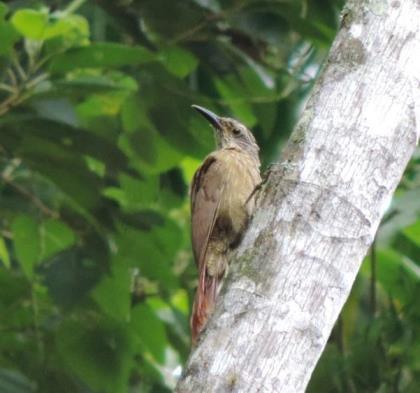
250 151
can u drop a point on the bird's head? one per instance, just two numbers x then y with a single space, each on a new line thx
230 132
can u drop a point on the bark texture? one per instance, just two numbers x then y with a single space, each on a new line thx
319 209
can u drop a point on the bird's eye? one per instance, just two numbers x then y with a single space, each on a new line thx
236 131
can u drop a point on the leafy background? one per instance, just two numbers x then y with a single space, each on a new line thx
98 146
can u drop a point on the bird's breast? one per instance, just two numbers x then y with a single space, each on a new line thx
241 177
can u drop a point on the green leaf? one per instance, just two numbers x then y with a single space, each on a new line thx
413 232
168 237
232 92
96 166
58 151
170 19
26 243
178 61
395 276
134 194
170 112
145 250
407 242
106 104
71 275
404 211
189 166
12 381
8 34
140 192
142 143
72 178
8 38
73 28
101 55
34 242
55 236
98 352
48 142
30 23
113 293
149 330
93 81
3 10
4 253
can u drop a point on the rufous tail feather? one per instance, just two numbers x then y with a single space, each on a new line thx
204 302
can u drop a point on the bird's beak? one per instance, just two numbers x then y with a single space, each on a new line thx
210 116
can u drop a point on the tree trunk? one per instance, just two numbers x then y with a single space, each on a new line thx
319 210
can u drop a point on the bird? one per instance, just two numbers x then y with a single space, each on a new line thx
222 202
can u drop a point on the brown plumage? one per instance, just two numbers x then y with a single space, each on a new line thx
221 204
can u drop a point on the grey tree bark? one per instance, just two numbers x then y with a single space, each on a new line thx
319 210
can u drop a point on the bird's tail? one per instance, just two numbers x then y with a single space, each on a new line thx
205 297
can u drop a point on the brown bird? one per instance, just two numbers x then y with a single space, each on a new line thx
222 202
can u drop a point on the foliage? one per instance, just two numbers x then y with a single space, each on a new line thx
97 150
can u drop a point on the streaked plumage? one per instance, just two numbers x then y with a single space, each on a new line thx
221 205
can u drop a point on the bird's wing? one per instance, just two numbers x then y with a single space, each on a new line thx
206 192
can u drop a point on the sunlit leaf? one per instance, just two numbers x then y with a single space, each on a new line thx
73 28
180 301
178 61
96 166
189 166
106 104
30 23
4 253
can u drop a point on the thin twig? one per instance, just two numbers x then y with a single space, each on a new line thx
33 198
5 87
45 59
203 23
21 93
8 103
40 78
73 6
22 74
12 77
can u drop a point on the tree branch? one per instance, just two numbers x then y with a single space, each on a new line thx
319 210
